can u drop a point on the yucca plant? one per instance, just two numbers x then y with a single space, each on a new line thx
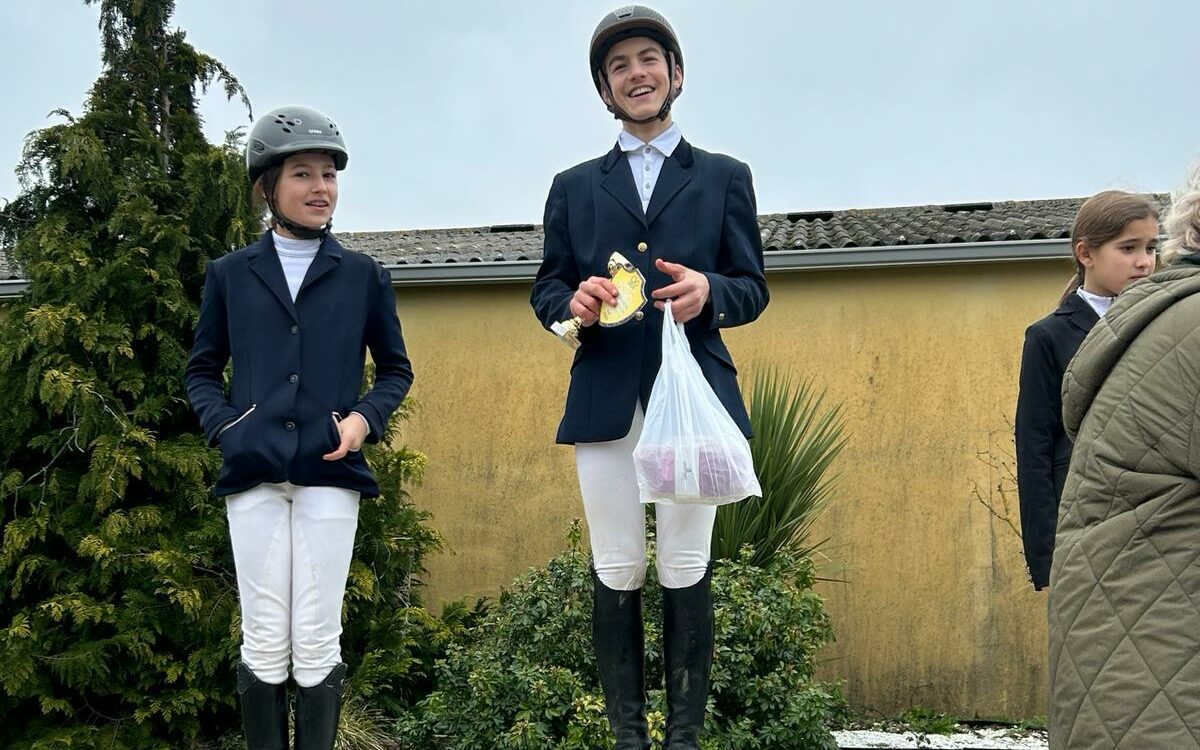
797 438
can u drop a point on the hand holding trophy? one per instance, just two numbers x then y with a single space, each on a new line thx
631 297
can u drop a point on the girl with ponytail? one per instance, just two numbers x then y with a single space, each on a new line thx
1113 243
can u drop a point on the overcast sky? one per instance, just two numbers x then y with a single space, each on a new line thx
460 113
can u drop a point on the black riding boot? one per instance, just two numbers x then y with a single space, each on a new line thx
264 711
687 660
318 709
617 636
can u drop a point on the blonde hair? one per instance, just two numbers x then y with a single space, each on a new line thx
1102 218
1182 223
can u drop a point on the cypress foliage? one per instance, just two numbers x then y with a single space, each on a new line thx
118 607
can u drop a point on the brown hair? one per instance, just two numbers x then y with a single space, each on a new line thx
1101 219
265 192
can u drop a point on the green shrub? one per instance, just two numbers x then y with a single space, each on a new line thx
927 721
389 640
525 676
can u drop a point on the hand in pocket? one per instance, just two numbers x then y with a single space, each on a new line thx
352 431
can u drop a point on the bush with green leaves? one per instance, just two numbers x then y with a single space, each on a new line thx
525 676
927 721
390 641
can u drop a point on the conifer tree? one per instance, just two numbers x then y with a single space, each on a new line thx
118 607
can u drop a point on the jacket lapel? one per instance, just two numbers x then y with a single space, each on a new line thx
619 184
327 259
675 175
1079 312
264 263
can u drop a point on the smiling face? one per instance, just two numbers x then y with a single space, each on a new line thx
1116 264
638 79
306 191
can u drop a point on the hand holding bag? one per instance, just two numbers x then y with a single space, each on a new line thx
690 450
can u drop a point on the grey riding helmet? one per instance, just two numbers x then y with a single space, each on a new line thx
627 22
292 130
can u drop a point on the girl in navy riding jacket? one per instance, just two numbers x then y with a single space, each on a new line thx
295 312
1113 239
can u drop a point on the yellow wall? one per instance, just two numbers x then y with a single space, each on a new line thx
935 610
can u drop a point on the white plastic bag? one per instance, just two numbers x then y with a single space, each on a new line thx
690 451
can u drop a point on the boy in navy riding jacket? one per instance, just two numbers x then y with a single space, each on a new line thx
685 219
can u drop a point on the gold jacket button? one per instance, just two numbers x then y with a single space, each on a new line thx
643 247
639 315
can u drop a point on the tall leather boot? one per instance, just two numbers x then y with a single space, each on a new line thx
687 660
619 643
318 709
264 711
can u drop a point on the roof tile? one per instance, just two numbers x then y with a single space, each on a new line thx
1001 221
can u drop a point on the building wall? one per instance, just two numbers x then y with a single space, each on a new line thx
931 604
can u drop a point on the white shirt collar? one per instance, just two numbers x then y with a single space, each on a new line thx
665 143
1098 303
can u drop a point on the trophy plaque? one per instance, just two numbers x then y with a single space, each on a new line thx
631 292
631 298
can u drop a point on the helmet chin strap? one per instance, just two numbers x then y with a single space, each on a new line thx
663 112
301 232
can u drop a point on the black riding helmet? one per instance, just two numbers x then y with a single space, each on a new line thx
286 131
624 23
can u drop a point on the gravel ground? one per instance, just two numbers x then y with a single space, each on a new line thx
979 739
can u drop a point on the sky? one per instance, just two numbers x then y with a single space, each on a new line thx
460 113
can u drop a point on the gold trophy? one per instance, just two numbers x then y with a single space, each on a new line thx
631 297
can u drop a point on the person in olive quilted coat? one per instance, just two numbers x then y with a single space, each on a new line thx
1125 581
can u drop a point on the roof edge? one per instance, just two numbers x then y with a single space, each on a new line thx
11 288
918 255
777 261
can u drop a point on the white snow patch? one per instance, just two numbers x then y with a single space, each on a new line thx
983 739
